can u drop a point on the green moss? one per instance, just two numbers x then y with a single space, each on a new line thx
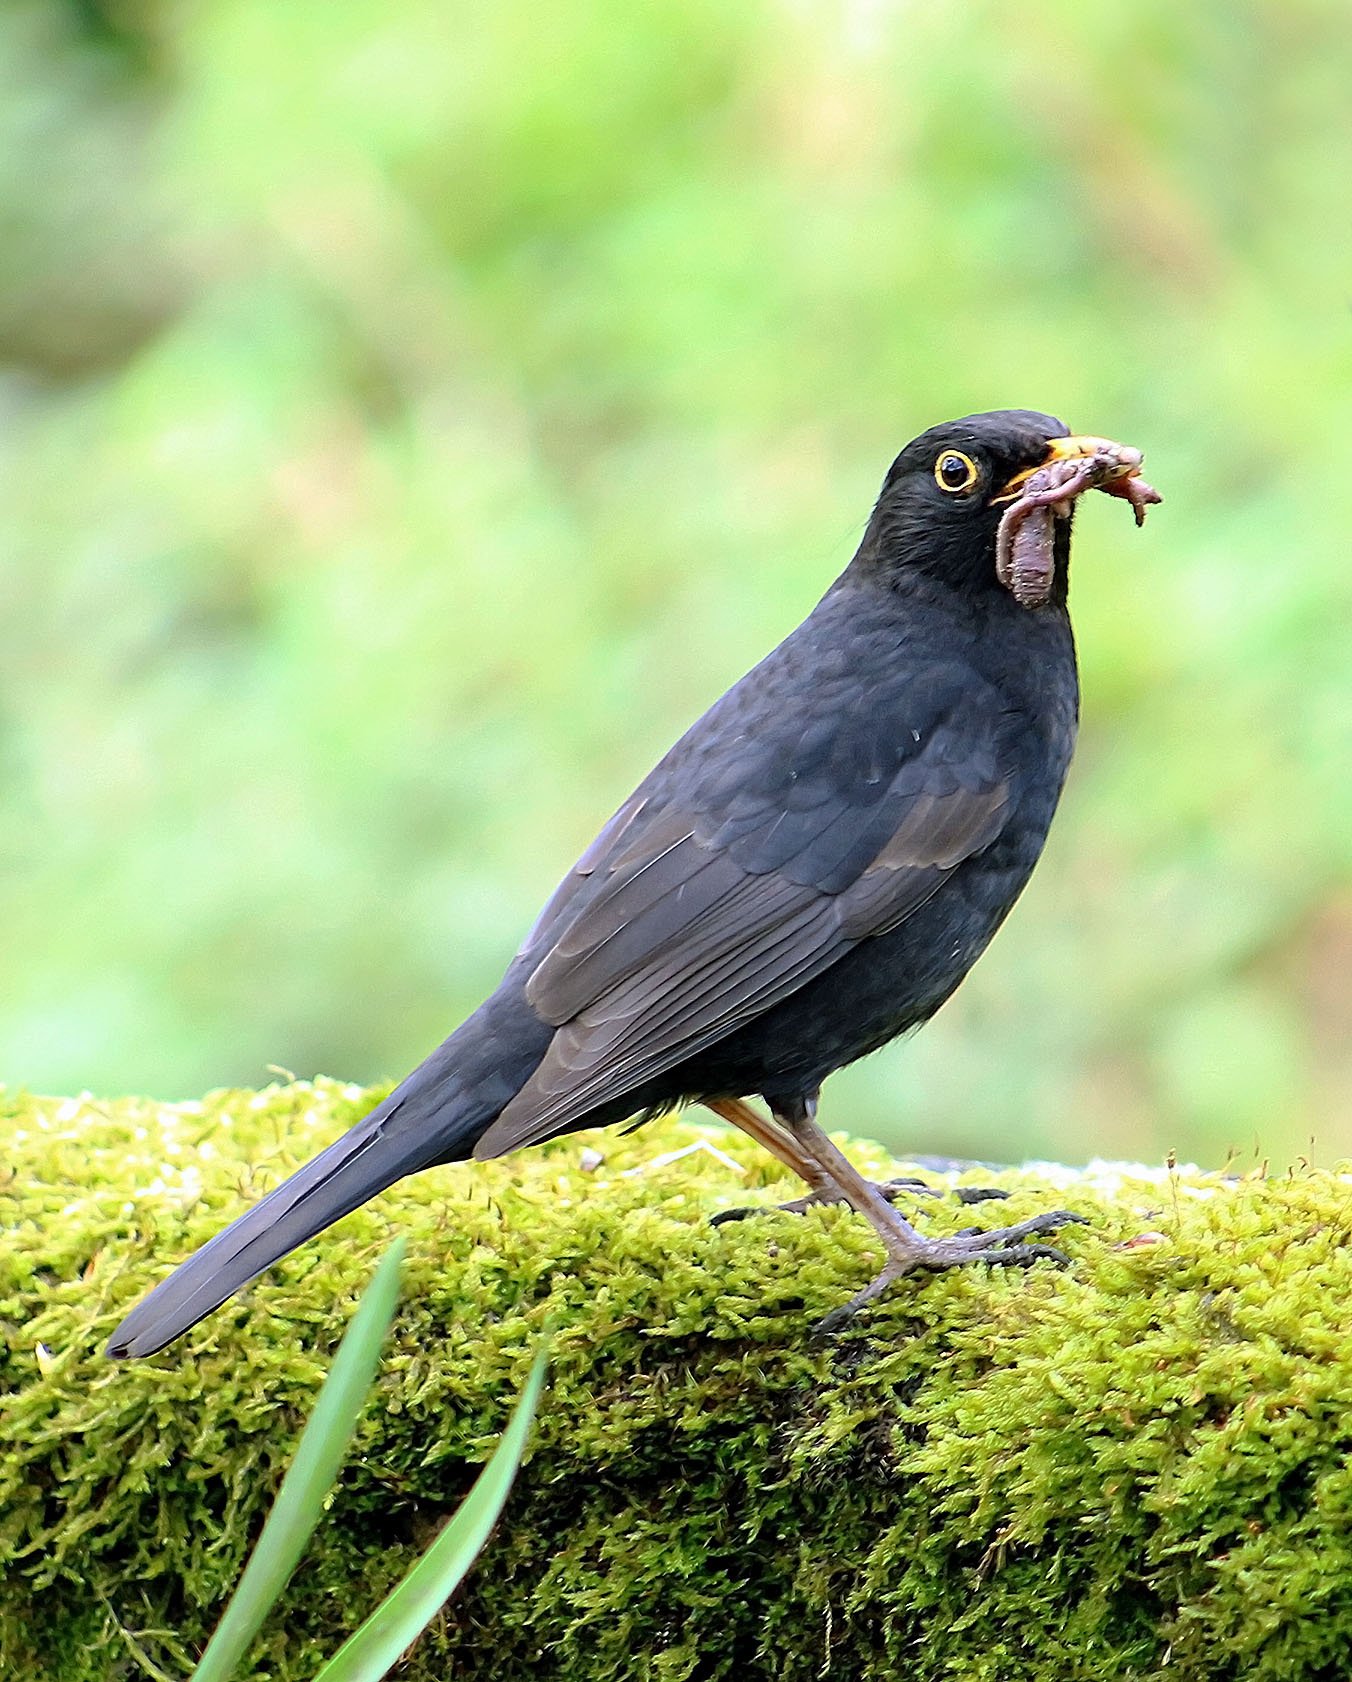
1136 1468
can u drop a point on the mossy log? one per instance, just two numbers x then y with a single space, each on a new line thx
1136 1467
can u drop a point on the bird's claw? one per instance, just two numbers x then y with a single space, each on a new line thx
996 1247
903 1186
799 1206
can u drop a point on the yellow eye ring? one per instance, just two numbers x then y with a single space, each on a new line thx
955 472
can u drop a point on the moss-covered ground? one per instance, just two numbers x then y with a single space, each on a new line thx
1134 1468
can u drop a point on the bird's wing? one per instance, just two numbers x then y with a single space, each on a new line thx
719 890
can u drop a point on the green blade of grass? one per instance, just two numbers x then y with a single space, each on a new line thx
310 1476
406 1612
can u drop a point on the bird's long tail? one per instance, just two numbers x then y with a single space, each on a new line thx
377 1151
433 1116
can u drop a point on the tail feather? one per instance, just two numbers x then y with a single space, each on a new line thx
435 1115
394 1140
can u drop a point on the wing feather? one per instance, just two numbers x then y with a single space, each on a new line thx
715 897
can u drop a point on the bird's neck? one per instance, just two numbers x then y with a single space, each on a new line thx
1023 652
896 551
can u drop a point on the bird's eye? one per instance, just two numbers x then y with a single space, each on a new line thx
954 471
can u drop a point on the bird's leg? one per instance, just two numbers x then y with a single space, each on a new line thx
847 1184
780 1143
907 1250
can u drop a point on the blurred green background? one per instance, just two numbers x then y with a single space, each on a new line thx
413 413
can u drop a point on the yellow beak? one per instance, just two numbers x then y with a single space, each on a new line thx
1077 448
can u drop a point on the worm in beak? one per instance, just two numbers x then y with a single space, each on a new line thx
1024 552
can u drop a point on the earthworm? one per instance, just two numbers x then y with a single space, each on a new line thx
1024 551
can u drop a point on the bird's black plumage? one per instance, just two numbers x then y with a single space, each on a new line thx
810 871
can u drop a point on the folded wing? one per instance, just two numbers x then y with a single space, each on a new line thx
705 902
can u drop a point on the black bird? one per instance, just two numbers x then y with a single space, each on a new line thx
809 872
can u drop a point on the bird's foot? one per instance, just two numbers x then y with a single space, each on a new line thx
891 1190
998 1247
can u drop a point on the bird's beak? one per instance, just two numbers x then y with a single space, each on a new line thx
1119 461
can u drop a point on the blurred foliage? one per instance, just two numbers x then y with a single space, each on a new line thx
414 414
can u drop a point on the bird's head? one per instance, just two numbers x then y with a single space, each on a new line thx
985 503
